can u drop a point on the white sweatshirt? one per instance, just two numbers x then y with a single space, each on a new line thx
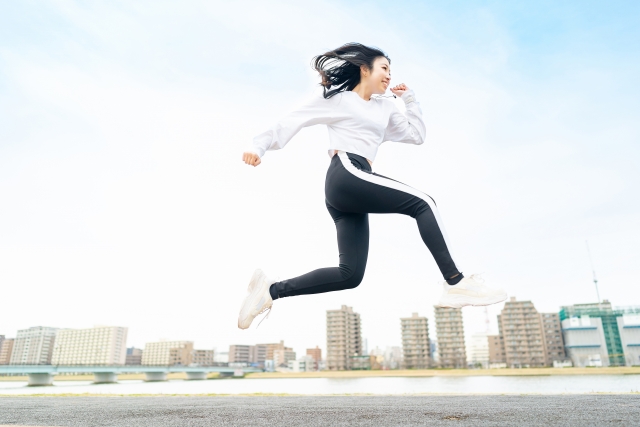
355 125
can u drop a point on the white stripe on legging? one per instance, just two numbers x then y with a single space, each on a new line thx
384 182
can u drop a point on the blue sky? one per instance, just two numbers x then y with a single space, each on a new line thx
124 201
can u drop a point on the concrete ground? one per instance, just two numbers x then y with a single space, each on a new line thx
188 411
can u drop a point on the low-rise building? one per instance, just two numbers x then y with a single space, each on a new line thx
134 356
167 353
316 354
203 358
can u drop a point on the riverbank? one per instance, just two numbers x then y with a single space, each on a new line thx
620 370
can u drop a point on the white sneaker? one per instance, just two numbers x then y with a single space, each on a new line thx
470 291
257 301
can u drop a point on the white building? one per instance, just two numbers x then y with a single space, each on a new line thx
584 341
33 346
629 327
102 345
478 350
303 364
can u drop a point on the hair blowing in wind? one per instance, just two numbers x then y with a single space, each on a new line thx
340 68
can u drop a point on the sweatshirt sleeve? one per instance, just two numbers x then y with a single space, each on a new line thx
409 127
317 111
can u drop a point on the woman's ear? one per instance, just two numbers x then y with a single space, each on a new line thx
364 70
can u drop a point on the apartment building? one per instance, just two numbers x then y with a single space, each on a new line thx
6 347
203 358
497 353
520 325
553 339
167 353
33 346
450 336
344 338
415 342
134 356
251 354
102 345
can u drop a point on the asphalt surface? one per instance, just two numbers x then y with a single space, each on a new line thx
562 410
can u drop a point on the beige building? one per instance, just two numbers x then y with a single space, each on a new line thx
134 356
203 357
520 325
102 345
6 347
250 354
344 338
281 357
33 346
450 335
167 353
497 354
316 354
415 342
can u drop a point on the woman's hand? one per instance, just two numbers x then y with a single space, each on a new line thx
399 90
251 158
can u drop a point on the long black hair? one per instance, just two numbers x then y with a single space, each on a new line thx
340 68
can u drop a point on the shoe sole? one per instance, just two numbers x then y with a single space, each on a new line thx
458 301
252 299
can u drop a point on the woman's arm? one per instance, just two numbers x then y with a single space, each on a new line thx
408 128
316 111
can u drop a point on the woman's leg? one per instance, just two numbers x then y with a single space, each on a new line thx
353 244
366 192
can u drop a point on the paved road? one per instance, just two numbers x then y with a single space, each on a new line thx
564 410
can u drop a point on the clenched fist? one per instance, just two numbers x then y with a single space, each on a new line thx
251 158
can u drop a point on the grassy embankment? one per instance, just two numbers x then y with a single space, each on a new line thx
393 373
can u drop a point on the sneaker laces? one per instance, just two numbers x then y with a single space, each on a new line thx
263 310
477 277
277 279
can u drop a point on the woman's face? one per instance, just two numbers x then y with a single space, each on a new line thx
379 77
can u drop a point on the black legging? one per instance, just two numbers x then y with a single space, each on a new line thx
352 192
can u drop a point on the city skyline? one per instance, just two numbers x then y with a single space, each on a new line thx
526 338
121 178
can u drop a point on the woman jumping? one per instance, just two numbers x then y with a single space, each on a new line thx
358 123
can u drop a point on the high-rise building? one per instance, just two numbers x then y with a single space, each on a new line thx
593 335
203 358
5 350
102 345
33 346
134 356
344 338
167 353
450 334
521 328
553 340
415 342
316 354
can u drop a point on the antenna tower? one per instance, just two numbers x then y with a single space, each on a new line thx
593 270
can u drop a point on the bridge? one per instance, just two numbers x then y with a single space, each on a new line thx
43 374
